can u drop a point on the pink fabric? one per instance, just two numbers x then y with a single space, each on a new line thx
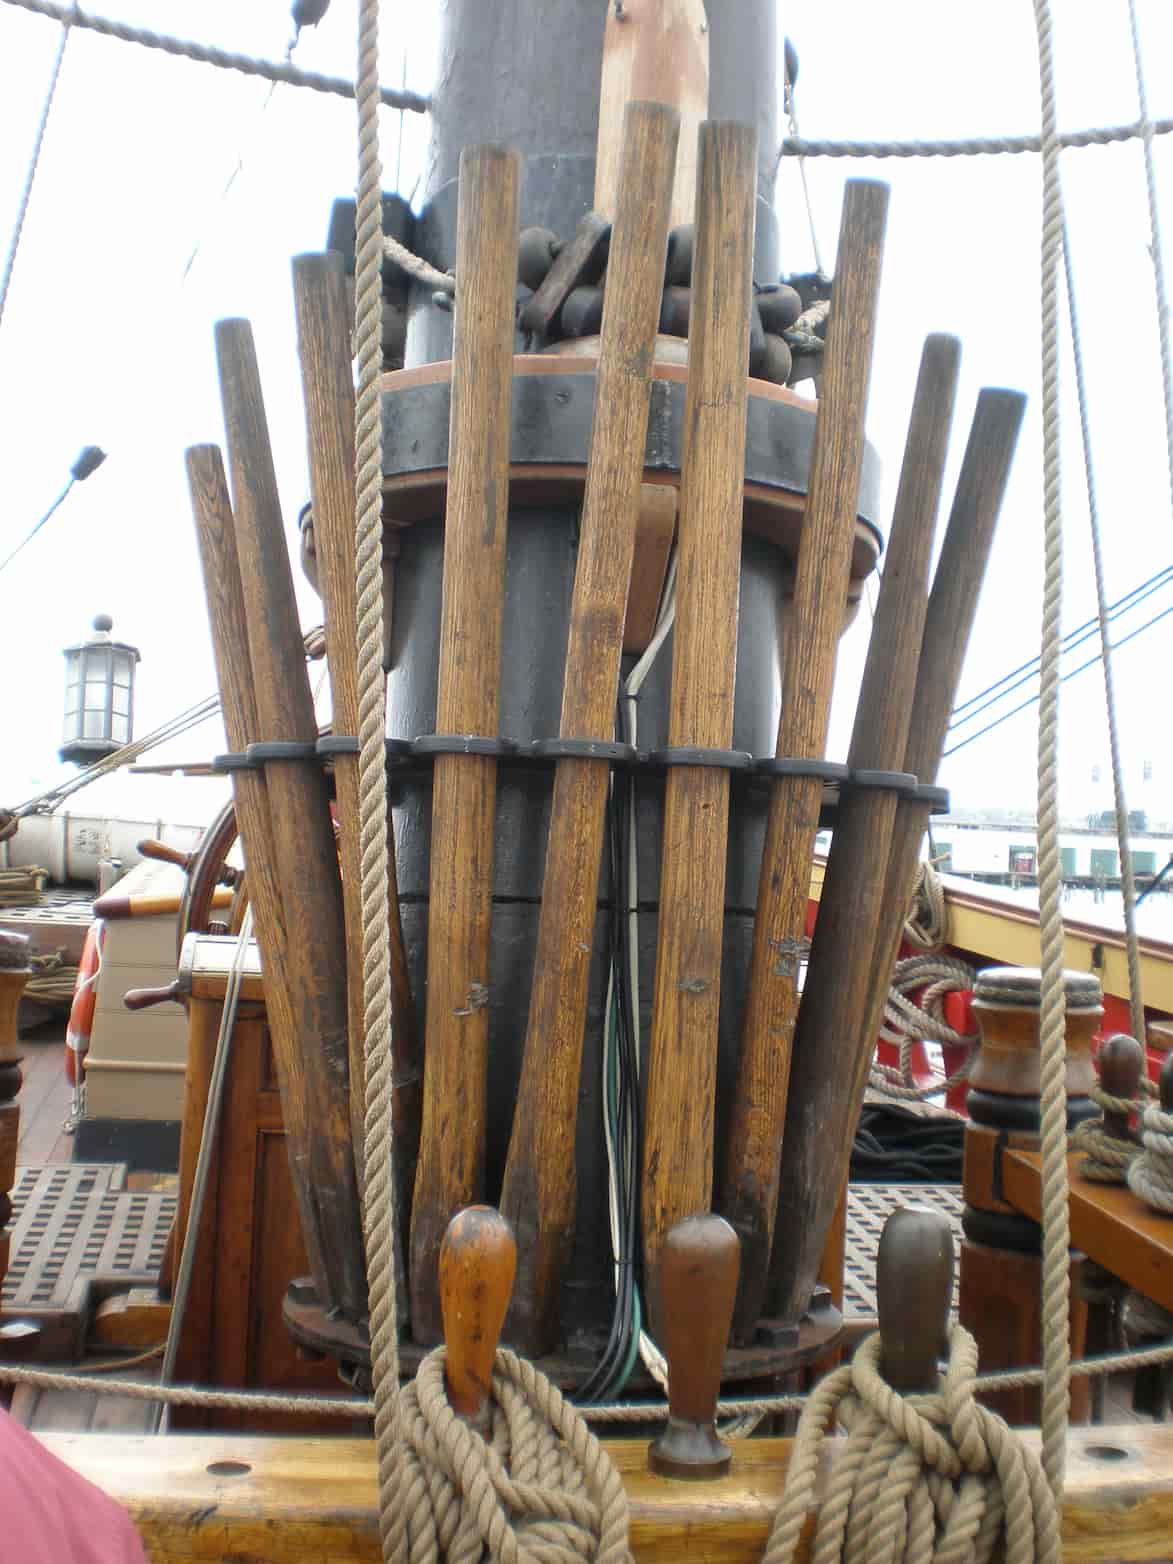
50 1515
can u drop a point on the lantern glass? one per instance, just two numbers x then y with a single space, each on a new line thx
99 695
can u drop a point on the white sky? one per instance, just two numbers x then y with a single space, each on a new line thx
101 343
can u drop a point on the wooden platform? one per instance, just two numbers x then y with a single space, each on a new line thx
277 1501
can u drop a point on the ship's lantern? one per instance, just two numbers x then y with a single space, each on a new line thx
99 695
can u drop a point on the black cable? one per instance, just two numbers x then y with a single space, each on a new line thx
1157 880
1083 667
89 461
1069 640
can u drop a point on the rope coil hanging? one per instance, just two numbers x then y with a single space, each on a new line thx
537 1485
930 1475
1150 1172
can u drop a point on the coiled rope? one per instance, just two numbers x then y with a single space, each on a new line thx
1150 1172
923 1476
536 1485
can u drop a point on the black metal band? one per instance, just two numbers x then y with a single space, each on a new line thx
281 749
902 783
331 744
796 766
232 761
937 798
462 744
688 755
585 749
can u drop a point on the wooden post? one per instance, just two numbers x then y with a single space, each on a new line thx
699 1281
657 51
678 1144
749 1190
831 1052
15 971
306 857
450 1170
538 1196
216 536
323 331
957 584
478 1259
914 1296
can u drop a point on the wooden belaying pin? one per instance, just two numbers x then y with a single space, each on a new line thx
699 1262
914 1295
478 1258
1121 1063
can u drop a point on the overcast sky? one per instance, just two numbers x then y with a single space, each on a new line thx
105 342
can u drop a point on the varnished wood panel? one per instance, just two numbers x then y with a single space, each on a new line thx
300 1499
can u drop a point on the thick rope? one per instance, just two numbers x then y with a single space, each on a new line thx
607 1412
1052 1028
927 922
415 266
1150 1173
223 59
1107 1157
929 1476
379 1216
907 1022
987 146
1127 878
536 1485
67 18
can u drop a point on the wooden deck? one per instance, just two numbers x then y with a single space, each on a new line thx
45 1098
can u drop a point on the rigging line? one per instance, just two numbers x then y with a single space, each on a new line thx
29 536
1147 131
1074 639
1127 879
1070 639
791 107
990 146
1083 667
26 194
222 59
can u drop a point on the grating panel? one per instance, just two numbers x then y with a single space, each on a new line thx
75 1226
868 1208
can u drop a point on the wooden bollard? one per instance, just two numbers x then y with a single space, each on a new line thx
698 1279
1121 1064
538 1195
914 1295
450 1170
323 336
1001 1259
682 1057
750 1184
15 971
478 1259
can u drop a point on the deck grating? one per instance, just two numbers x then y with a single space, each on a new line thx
868 1208
75 1227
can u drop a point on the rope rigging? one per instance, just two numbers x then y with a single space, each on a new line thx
222 59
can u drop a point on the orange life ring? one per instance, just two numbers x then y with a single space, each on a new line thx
85 994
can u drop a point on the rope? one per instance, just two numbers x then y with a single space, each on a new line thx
26 194
1150 1174
246 65
1107 1156
1053 1107
988 146
1147 129
415 266
927 922
906 1023
204 1157
1141 1319
537 1485
932 1475
1127 879
379 1218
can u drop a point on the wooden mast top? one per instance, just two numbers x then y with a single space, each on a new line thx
656 50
